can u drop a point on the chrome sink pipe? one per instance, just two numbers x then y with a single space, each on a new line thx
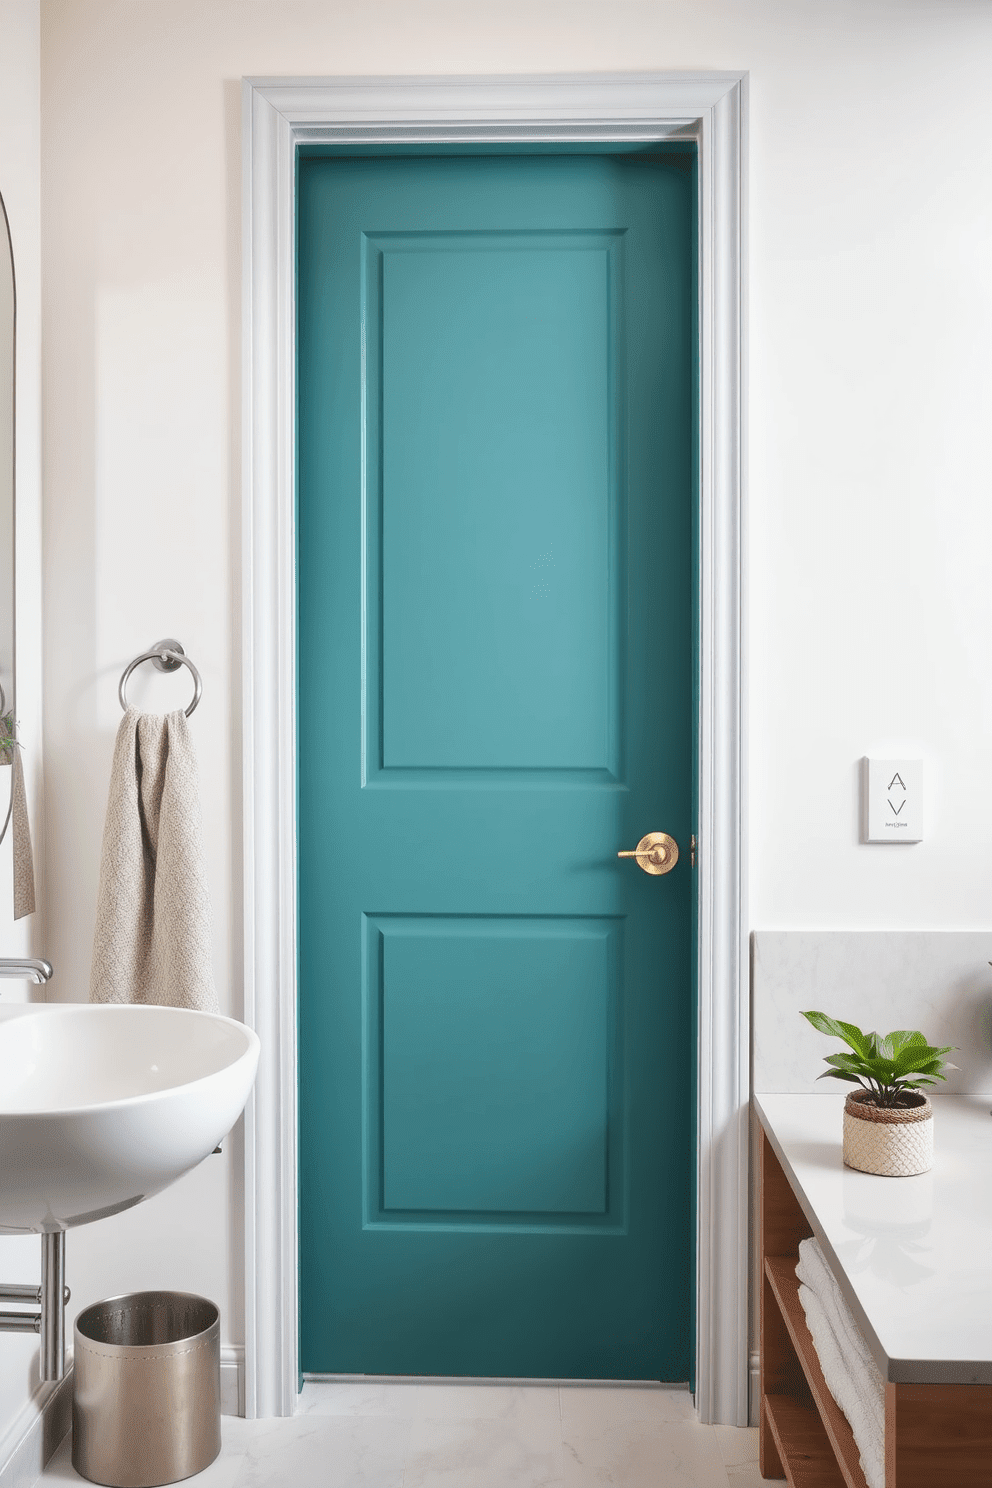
50 1298
52 1295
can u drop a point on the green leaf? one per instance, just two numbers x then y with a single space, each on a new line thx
840 1075
924 1067
882 1070
845 1061
903 1037
929 1067
849 1032
915 1057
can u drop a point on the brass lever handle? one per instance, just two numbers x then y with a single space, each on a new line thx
655 853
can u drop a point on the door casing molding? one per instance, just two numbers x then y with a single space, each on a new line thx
280 114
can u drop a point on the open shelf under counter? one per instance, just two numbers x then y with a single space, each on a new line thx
913 1257
802 1443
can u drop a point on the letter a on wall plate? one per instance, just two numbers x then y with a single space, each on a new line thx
893 800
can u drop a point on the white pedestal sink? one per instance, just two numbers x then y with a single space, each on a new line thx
102 1106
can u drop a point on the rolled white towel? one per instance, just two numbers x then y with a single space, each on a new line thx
852 1376
814 1271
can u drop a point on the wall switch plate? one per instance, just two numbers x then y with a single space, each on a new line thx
893 800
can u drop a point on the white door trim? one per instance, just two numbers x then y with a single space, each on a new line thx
280 114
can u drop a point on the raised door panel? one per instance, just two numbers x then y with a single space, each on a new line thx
493 521
492 1082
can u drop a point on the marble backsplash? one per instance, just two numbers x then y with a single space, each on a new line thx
936 980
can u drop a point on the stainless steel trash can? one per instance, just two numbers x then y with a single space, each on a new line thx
146 1389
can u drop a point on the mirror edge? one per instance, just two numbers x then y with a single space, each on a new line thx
8 697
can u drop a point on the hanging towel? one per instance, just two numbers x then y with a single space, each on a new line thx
21 828
152 940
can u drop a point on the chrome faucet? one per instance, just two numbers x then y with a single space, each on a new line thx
30 969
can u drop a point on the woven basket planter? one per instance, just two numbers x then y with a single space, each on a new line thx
895 1143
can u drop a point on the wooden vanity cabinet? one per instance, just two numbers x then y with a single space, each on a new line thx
936 1436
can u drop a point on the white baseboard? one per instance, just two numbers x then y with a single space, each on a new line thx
754 1391
34 1434
232 1382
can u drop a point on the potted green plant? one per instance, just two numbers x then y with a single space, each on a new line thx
888 1123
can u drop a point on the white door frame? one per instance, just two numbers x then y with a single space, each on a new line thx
280 114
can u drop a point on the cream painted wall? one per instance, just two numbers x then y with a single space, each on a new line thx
20 144
870 465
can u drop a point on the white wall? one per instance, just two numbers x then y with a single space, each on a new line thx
20 143
871 313
935 980
870 465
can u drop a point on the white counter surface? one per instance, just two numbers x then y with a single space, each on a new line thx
913 1256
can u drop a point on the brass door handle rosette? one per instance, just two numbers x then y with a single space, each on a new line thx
655 853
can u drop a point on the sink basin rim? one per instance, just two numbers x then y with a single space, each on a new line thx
43 1010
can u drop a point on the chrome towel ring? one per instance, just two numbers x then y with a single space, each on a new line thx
168 656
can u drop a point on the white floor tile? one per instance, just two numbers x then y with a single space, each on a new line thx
422 1435
738 1445
512 1404
587 1407
503 1453
325 1452
359 1398
643 1454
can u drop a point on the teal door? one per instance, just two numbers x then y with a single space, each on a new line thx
495 697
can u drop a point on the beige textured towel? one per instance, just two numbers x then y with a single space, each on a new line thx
23 855
152 940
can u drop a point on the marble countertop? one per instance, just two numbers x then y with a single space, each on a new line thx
913 1256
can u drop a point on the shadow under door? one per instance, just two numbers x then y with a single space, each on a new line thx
495 550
